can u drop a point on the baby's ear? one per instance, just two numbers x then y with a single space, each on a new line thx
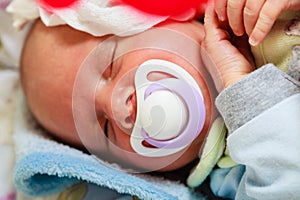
294 67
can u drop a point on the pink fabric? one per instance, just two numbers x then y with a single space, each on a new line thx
4 4
11 196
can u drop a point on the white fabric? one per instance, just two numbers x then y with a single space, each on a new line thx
96 17
11 41
9 79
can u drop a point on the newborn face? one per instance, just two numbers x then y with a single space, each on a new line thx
51 60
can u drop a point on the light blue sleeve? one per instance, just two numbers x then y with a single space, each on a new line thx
269 147
268 151
262 113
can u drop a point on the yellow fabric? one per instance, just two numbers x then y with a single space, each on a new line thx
277 46
213 150
226 161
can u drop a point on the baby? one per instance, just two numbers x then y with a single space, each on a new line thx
51 61
99 112
52 58
77 85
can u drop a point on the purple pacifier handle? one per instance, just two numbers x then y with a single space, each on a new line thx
196 110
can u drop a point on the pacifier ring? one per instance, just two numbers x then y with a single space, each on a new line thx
182 85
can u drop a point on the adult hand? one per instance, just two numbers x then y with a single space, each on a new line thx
227 58
256 17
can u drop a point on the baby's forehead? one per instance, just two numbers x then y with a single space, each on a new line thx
54 37
182 44
57 44
65 47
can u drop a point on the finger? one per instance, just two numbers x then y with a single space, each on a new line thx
269 13
211 47
209 20
251 13
235 16
212 25
220 9
210 28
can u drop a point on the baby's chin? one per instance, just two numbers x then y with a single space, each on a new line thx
145 165
161 164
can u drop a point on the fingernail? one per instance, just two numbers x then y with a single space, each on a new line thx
253 41
239 33
222 18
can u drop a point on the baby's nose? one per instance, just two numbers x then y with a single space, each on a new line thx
123 107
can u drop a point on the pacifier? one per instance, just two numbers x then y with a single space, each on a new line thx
170 111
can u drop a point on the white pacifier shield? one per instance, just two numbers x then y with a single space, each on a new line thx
170 115
165 119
